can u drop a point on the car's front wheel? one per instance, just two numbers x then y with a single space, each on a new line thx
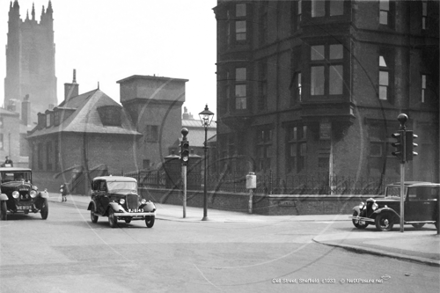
149 221
4 210
112 220
359 224
418 225
93 217
384 222
44 209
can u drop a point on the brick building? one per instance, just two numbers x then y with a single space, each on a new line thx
90 134
313 88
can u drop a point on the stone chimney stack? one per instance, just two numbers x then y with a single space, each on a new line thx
26 111
71 89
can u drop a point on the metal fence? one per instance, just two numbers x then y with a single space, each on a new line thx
269 184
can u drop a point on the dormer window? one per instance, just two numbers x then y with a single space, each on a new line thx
110 115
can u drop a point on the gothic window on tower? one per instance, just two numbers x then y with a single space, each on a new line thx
326 71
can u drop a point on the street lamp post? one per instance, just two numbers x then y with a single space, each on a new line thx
206 118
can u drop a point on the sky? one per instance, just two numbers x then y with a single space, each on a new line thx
108 40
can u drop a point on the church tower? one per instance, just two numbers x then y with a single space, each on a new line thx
30 60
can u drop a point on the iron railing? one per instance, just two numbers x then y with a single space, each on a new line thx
269 184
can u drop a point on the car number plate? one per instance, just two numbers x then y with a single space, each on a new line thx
23 207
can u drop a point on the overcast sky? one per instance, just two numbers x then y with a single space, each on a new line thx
108 40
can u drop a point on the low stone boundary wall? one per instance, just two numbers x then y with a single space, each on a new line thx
273 204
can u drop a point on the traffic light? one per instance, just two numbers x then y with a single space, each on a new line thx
399 145
184 152
410 145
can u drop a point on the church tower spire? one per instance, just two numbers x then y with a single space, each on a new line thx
33 11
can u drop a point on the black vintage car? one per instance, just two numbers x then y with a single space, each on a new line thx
116 197
19 195
420 204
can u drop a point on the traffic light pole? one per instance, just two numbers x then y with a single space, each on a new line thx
184 179
402 196
402 118
184 157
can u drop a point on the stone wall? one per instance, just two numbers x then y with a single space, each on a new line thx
274 204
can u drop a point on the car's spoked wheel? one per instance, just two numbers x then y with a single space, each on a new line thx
93 217
44 209
149 221
4 210
112 220
384 222
359 224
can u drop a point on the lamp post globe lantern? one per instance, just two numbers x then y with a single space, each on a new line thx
206 119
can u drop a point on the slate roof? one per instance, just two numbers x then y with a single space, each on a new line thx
5 112
85 117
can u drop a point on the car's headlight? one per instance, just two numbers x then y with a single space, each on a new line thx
143 201
33 193
15 194
375 206
122 201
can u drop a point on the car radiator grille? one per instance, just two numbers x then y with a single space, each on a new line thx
132 201
24 195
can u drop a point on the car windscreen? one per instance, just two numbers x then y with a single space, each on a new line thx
15 176
122 186
393 191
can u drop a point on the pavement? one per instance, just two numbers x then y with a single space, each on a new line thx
413 245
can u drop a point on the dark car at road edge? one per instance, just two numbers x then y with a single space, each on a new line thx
420 207
20 195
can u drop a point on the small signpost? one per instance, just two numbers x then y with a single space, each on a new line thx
251 184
